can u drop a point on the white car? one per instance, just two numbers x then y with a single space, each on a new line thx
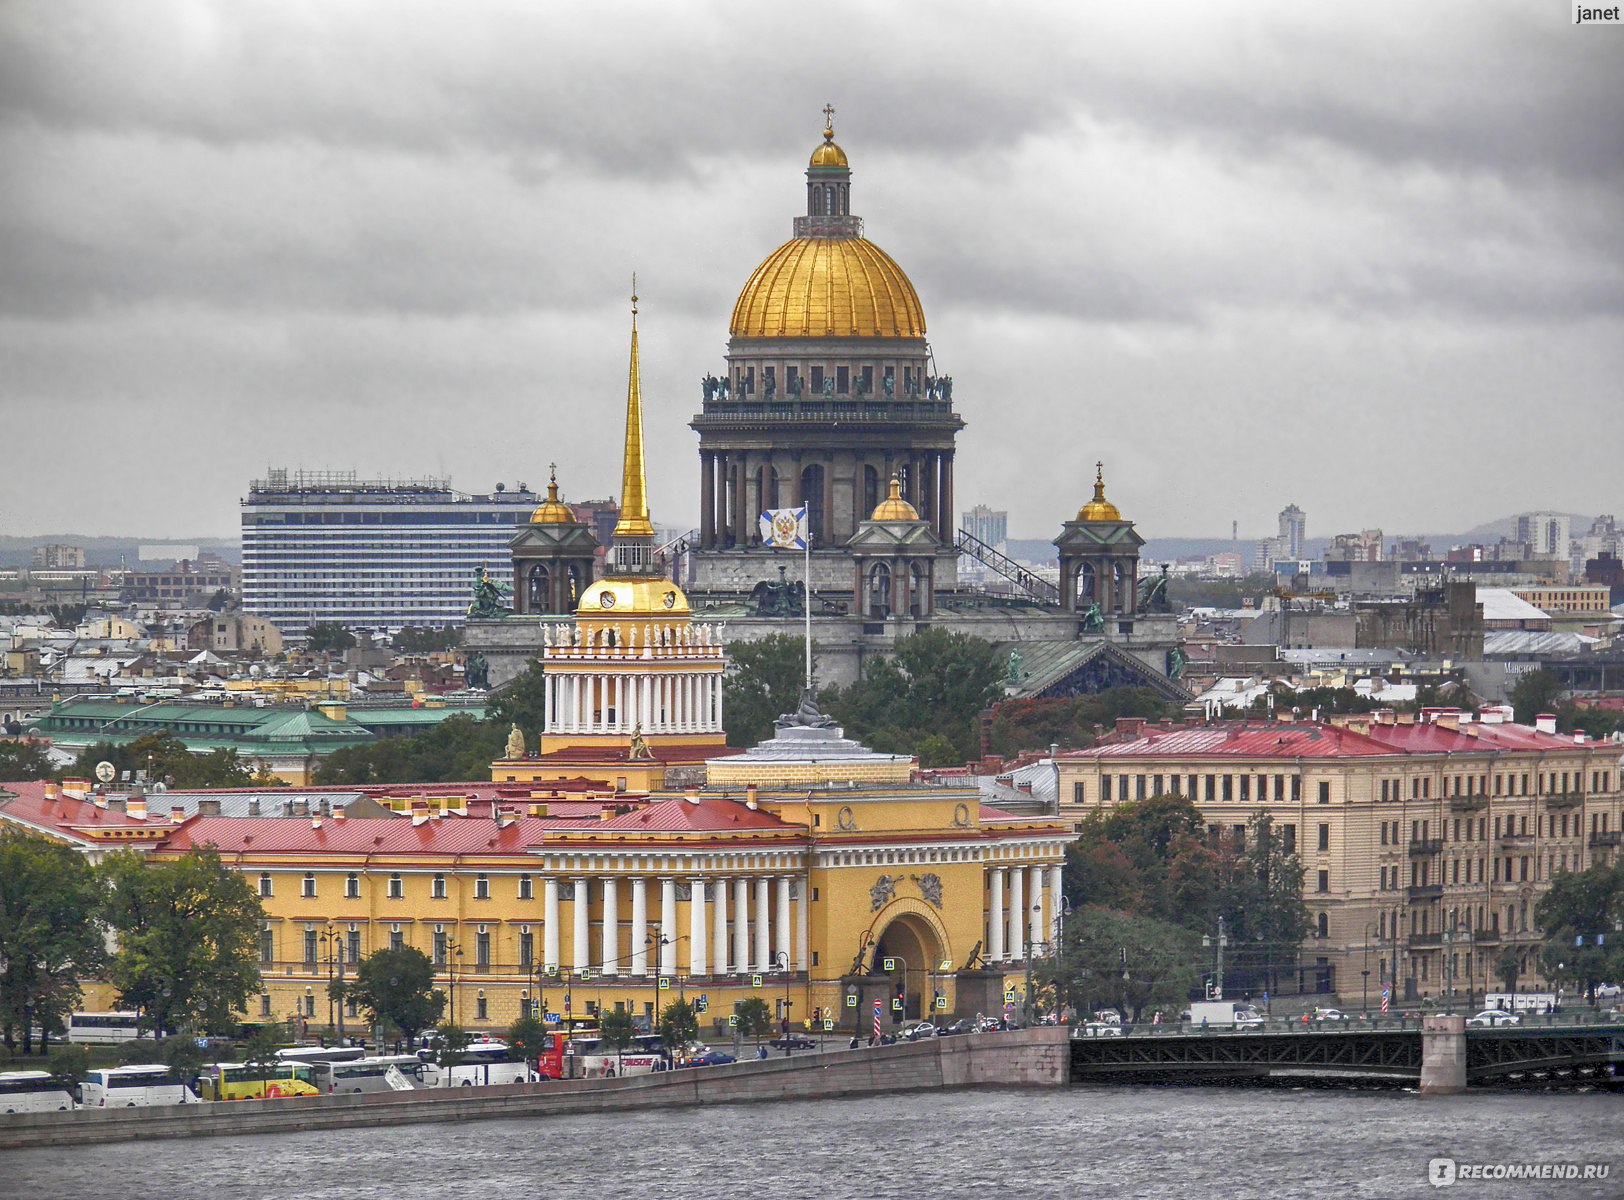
1100 1029
1609 991
1247 1019
1329 1014
1495 1016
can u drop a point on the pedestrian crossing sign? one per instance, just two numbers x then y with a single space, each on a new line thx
551 969
733 1021
896 1004
702 1004
755 981
665 983
851 1001
941 1002
1009 996
890 965
584 974
828 1026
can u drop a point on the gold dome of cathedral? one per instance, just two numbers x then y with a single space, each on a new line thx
828 287
1099 508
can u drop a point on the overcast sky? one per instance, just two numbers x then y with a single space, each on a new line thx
1363 257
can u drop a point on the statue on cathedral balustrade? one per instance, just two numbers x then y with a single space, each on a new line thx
515 742
488 593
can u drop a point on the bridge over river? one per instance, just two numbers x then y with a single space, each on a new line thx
1436 1054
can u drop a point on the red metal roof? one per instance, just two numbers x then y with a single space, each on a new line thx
64 815
1242 740
704 814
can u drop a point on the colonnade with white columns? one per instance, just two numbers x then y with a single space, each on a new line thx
620 702
738 924
1023 909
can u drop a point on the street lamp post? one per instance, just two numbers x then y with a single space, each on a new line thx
330 941
452 953
1364 977
781 963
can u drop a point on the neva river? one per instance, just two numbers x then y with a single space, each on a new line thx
998 1145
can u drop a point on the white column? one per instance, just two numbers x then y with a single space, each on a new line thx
668 927
802 958
781 940
764 957
549 922
639 945
575 704
1057 880
610 957
741 924
696 927
716 691
1017 910
995 917
721 927
547 705
582 945
1034 905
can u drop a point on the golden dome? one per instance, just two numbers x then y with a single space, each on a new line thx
650 596
894 507
553 511
1099 508
828 154
828 287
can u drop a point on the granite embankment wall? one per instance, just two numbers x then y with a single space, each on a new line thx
1021 1058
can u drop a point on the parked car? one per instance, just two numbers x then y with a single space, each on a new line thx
1609 991
710 1058
1330 1014
1100 1029
1495 1016
962 1025
914 1030
794 1041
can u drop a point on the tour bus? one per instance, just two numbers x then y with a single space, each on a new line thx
105 1027
482 1063
134 1087
387 1072
321 1054
592 1058
33 1091
239 1081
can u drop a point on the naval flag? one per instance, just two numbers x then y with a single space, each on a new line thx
784 528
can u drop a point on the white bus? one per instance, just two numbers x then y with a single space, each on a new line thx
105 1027
135 1087
388 1072
320 1054
482 1063
33 1091
643 1057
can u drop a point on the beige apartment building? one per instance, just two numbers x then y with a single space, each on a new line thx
1425 840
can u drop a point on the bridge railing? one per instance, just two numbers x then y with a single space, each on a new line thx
1354 1023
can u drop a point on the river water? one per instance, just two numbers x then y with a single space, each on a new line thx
1004 1145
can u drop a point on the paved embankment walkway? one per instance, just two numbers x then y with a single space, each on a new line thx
1020 1058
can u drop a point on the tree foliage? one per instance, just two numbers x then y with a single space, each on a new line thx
457 748
450 1041
329 637
164 757
528 1037
1069 721
1534 693
616 1030
755 1018
21 761
679 1025
187 932
259 1054
937 685
522 702
396 988
50 933
1579 906
764 679
425 640
1130 962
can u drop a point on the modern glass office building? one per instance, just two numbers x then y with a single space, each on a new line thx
380 554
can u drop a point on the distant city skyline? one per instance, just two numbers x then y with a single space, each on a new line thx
1376 249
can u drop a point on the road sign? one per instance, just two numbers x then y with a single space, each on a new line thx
896 1004
550 969
702 1004
890 965
828 1026
665 983
1009 996
733 1021
553 1018
941 1002
851 1000
755 981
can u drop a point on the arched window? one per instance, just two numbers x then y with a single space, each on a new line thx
918 590
1086 584
871 490
540 594
812 497
879 591
1324 925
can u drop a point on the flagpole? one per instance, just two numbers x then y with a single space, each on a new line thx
806 603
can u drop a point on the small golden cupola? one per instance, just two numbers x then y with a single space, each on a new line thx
894 507
1099 508
828 154
552 511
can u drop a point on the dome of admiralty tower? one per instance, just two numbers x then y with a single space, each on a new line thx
829 390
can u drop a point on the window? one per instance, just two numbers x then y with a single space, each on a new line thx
438 891
1077 793
439 948
1324 836
265 1004
482 949
527 950
1384 833
1105 787
1246 789
310 1004
1324 793
1229 788
526 888
1324 882
480 1012
352 886
309 886
264 883
352 946
482 888
310 947
396 940
397 890
1288 834
1212 787
1296 789
1323 928
267 946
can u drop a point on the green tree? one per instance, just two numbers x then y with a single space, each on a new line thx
755 1018
522 702
23 761
1508 968
182 1055
164 756
528 1037
938 683
764 680
259 1053
1535 693
69 1065
616 1030
679 1025
1133 963
220 601
50 933
187 934
1069 721
329 637
1579 906
457 748
395 988
419 640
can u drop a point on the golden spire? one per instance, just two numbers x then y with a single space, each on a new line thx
634 520
1099 508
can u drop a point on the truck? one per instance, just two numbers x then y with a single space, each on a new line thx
1521 1002
1221 1014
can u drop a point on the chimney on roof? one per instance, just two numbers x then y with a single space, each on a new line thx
606 812
177 813
253 806
419 817
315 822
115 803
50 792
1025 786
208 808
750 797
1130 727
691 795
1545 723
340 815
137 807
